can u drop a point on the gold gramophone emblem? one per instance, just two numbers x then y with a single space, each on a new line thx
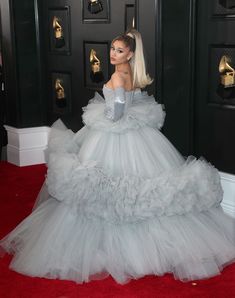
58 33
95 62
227 73
59 89
58 30
95 6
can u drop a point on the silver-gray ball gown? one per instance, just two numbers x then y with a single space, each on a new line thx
120 200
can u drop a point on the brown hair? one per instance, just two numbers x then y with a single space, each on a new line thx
127 40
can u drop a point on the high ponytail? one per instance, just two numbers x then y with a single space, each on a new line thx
140 78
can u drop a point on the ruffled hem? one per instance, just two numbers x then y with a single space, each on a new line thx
53 242
87 188
144 111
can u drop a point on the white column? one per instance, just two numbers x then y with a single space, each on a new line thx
26 145
228 184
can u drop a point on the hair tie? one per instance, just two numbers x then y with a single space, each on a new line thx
131 35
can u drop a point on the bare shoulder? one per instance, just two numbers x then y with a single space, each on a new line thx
117 80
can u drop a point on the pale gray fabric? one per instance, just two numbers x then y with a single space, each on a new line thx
120 200
115 108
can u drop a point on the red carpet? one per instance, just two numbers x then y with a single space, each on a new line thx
18 190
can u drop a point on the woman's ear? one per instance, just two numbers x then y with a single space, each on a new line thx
130 56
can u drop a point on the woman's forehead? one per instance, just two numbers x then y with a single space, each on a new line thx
119 44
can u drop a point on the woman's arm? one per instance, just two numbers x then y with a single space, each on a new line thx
118 83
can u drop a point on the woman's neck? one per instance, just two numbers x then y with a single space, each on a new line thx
124 67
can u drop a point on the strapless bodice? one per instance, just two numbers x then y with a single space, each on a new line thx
109 96
140 110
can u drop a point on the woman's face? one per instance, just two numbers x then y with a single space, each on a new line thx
119 53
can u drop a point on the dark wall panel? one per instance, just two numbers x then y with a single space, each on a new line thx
214 103
23 67
178 18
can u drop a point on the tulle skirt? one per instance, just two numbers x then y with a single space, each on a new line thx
123 203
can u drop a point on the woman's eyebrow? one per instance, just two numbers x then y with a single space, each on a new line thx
118 48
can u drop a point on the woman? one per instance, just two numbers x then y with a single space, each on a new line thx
119 199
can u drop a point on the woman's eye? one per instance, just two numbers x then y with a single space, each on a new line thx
117 50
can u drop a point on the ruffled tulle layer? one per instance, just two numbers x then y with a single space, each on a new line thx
121 179
195 186
144 152
55 242
144 110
